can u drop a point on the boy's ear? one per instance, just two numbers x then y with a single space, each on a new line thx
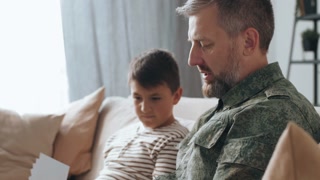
177 95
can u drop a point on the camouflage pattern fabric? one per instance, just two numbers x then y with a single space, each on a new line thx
236 139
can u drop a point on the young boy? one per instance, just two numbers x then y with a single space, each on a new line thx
148 149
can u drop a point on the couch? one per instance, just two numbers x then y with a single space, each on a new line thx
118 112
76 136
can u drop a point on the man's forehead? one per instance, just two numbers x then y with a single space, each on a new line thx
198 32
194 29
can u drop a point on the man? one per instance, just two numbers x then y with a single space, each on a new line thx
235 140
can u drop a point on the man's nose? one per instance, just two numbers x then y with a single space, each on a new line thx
194 56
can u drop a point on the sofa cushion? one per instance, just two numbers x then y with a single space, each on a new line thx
296 156
22 138
75 138
192 108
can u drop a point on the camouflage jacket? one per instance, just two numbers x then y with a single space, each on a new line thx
236 139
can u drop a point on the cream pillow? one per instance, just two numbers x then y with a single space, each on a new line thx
22 138
192 108
296 156
75 138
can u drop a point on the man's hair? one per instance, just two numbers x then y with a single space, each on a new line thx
155 67
235 16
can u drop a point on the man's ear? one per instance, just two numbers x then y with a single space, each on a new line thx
177 95
251 41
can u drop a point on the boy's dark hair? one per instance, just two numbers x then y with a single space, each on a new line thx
155 67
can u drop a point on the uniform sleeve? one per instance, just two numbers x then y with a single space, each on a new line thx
237 171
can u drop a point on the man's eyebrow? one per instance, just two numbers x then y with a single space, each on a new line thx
198 38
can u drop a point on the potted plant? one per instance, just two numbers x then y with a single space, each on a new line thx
310 40
307 7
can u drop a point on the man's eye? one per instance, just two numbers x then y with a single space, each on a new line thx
137 98
205 45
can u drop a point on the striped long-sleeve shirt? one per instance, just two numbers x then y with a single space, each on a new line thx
137 152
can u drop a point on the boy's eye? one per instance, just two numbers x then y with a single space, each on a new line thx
137 98
155 98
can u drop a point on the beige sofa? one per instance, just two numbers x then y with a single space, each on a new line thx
76 136
117 112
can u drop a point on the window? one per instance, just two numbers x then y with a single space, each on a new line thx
32 62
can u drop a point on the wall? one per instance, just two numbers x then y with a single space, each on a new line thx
301 75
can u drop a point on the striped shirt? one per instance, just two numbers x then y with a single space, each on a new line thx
137 152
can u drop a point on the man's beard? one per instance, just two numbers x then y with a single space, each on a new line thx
226 80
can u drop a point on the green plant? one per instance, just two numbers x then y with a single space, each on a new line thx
310 34
310 40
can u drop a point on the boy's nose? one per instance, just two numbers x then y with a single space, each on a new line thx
145 107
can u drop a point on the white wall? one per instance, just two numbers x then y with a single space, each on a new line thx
301 75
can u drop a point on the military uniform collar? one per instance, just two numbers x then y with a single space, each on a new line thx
252 85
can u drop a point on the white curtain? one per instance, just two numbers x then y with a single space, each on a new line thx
102 36
32 60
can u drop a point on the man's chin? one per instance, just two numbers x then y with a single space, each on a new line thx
207 90
214 90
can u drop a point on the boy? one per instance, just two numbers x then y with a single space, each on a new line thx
148 149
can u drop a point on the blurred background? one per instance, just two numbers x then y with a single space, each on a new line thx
55 52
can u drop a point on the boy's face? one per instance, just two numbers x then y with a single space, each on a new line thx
154 105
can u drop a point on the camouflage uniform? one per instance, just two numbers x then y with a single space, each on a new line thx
235 140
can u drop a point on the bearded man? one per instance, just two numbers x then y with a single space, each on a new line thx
236 139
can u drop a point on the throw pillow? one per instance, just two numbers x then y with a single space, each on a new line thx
22 138
75 138
296 156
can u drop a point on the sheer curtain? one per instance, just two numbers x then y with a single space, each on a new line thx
102 36
32 60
